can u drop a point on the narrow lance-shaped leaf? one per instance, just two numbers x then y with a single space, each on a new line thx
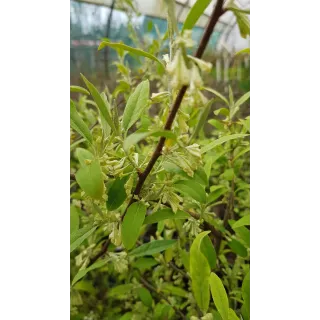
222 140
243 23
152 247
145 296
199 273
243 51
104 112
79 89
246 292
90 179
195 13
132 223
242 100
136 104
78 124
209 252
219 295
218 94
79 236
83 272
122 46
202 119
244 221
138 136
232 315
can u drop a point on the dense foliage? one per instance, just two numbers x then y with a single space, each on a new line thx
159 210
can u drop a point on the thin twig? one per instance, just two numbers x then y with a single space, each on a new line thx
100 253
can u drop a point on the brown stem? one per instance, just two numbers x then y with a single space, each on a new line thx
216 14
100 253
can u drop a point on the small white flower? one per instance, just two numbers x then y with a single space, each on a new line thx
203 65
194 149
179 71
166 58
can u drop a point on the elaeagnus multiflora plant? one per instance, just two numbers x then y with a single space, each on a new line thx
160 205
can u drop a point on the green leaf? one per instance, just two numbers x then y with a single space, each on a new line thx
232 315
234 8
219 295
79 89
132 223
144 263
136 104
238 248
82 155
244 234
217 124
203 117
209 252
127 316
138 136
185 258
242 100
83 272
246 292
224 111
79 236
117 194
222 140
123 289
152 247
192 189
216 193
90 180
199 273
145 296
243 23
177 291
74 219
101 104
122 46
78 124
218 94
244 221
246 50
241 153
195 13
85 286
165 214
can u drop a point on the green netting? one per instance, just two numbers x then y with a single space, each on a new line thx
88 25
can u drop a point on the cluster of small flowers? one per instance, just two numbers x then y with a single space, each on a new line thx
182 75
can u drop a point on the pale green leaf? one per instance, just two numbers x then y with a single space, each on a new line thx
165 214
244 221
242 152
90 179
238 248
78 124
242 100
83 272
195 13
152 247
123 46
79 236
138 136
199 273
232 315
79 89
192 189
131 225
243 23
209 252
82 155
101 104
219 295
222 140
136 104
246 50
218 94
